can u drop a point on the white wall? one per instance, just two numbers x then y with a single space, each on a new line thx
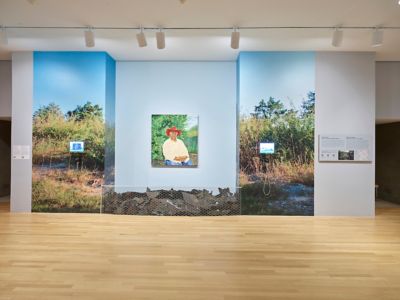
21 130
387 92
345 104
206 89
5 89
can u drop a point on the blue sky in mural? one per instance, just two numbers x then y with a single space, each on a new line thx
287 76
69 79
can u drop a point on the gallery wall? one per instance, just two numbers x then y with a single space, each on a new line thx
21 130
387 92
206 89
5 89
345 89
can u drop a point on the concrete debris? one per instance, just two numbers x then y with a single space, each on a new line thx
172 203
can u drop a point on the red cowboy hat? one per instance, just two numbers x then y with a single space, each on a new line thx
173 129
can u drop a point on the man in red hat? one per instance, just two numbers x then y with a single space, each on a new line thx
174 150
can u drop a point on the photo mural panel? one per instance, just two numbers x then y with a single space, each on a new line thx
276 130
109 155
174 141
69 130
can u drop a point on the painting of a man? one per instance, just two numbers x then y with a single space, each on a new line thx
174 150
174 141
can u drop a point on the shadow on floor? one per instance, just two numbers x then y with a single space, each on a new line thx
379 203
5 204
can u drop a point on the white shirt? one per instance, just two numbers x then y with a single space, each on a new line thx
172 149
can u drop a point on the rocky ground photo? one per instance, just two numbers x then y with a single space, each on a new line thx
171 202
290 199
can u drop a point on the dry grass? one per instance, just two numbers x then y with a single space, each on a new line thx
87 181
281 173
66 190
294 173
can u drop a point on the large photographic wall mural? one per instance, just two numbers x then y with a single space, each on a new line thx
276 132
73 134
74 140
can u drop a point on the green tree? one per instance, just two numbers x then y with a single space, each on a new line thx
87 111
260 110
46 112
308 105
272 108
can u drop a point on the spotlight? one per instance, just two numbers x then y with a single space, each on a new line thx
235 39
89 38
337 37
160 36
3 36
377 38
141 38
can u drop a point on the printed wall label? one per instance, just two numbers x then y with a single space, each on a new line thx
351 148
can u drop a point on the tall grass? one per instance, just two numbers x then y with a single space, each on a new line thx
53 132
52 196
65 182
291 130
281 173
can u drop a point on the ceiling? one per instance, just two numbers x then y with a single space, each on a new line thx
199 44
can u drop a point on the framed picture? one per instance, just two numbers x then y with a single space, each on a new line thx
76 147
174 141
267 148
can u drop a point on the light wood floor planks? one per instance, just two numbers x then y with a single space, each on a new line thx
73 256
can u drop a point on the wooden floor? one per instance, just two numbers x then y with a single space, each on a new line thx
4 207
72 256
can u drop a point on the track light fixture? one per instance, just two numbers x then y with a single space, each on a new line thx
89 34
89 38
377 37
337 38
160 36
141 38
235 38
3 36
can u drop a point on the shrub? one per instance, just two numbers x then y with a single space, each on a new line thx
291 130
53 131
